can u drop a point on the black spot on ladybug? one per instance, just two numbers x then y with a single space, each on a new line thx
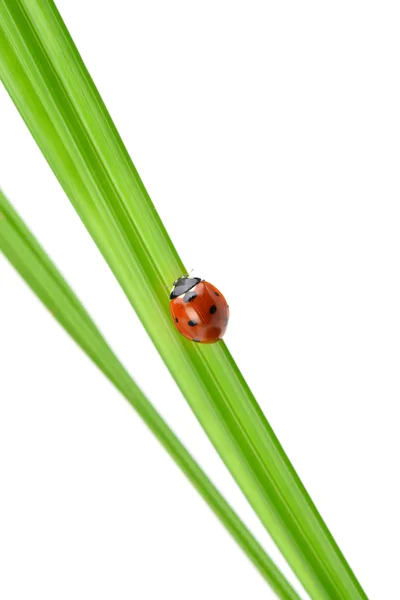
192 323
216 293
176 319
213 309
189 296
194 340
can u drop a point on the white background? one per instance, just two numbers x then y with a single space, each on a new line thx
268 137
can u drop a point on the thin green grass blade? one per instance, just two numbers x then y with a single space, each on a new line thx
47 80
29 259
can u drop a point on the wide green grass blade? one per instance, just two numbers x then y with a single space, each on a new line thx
49 84
30 260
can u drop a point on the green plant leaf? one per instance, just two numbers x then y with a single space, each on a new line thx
48 82
29 259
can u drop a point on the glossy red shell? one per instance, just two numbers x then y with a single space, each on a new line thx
202 314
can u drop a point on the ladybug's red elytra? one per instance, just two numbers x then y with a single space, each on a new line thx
200 312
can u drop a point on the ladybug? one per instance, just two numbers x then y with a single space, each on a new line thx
200 312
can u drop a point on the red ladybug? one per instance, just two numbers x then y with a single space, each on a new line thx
199 310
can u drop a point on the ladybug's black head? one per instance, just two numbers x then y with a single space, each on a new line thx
183 285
